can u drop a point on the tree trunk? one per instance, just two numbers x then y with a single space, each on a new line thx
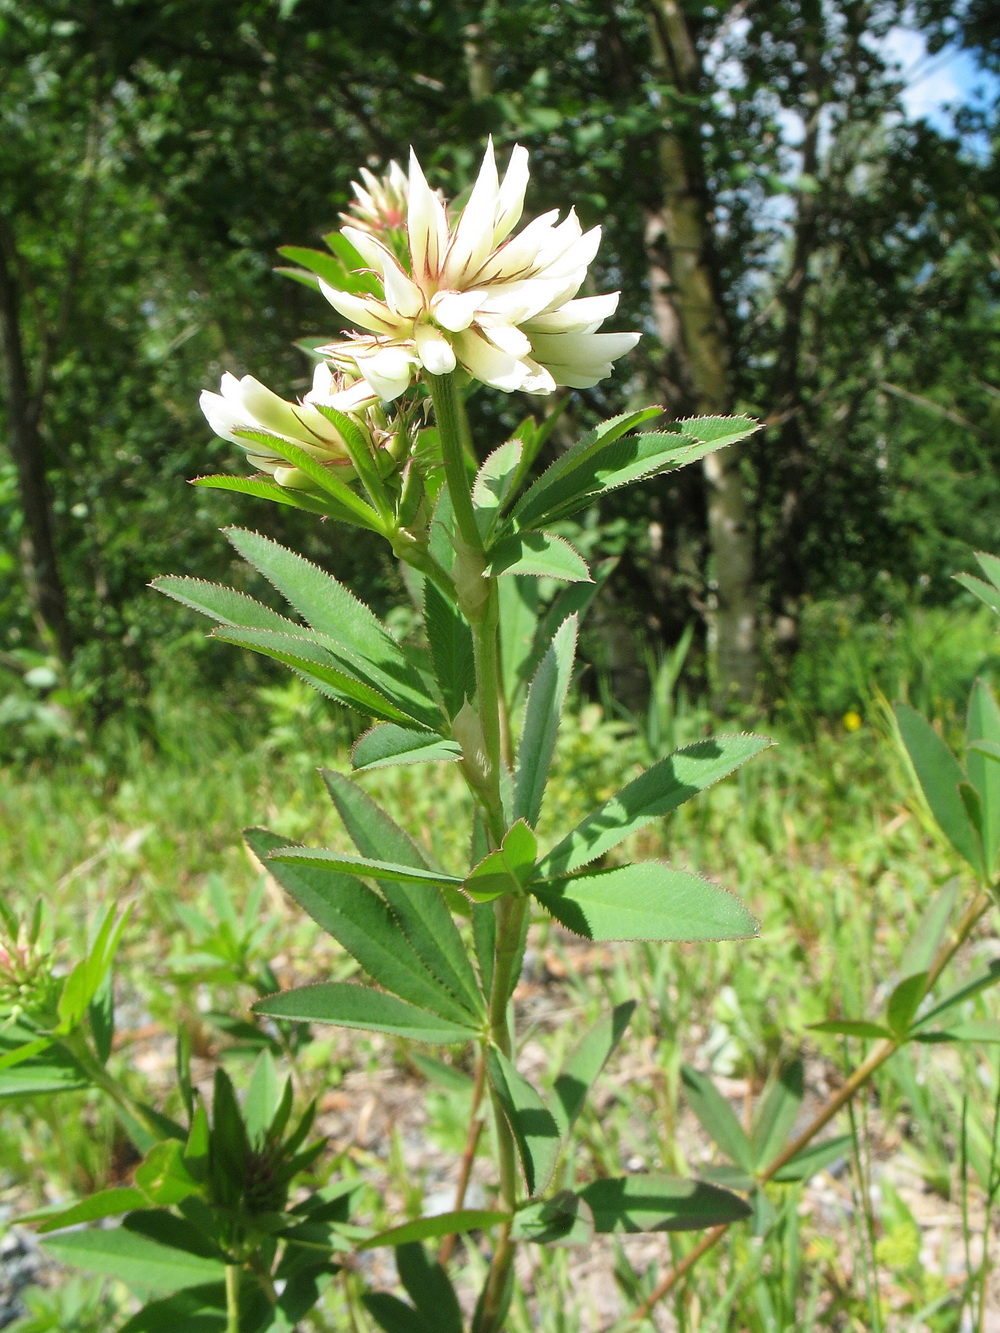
38 558
685 302
788 384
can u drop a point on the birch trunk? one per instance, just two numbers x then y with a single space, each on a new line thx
688 312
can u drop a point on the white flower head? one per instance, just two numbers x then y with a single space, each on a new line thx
473 294
248 405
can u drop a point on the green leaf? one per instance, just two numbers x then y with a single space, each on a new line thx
105 1203
990 565
361 456
814 1158
348 628
976 1030
328 267
989 748
17 1055
851 1027
364 925
940 777
561 480
980 983
656 792
194 1309
319 668
777 1113
565 1219
660 1203
361 1007
45 1068
223 605
441 1224
270 490
452 657
518 600
984 771
102 1019
985 593
423 915
392 1314
546 701
347 864
533 1125
540 554
263 1096
494 484
904 1002
597 465
322 478
137 1260
444 1075
355 269
717 1118
429 1288
647 901
922 948
581 1069
387 745
164 1175
508 869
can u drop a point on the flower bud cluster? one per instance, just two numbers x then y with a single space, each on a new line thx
29 991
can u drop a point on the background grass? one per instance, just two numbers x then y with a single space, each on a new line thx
821 836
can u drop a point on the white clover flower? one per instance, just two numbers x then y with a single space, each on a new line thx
501 306
247 404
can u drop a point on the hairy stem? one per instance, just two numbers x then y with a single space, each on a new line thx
232 1298
850 1087
449 414
469 1154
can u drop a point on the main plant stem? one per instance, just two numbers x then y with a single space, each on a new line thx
232 1298
837 1102
477 597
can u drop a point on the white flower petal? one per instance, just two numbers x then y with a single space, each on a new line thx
230 389
388 372
508 338
487 363
426 225
473 238
364 311
402 296
268 410
263 463
291 478
538 379
510 199
437 356
373 252
580 360
455 311
223 416
318 430
576 256
582 316
516 302
518 257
